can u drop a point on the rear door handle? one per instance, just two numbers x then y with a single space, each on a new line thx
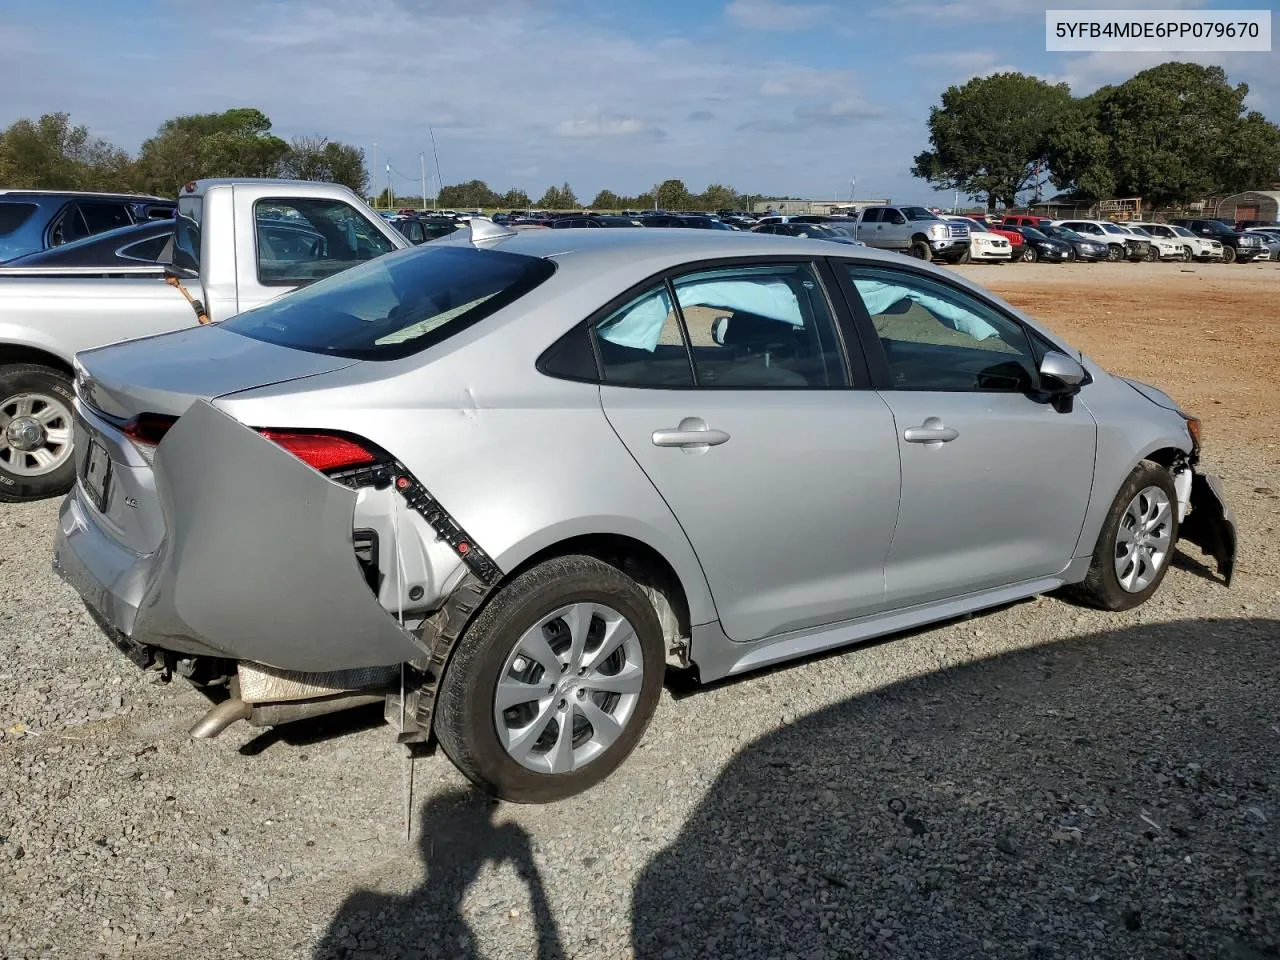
692 432
931 431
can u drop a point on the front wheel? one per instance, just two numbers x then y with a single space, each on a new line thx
920 250
1115 253
1187 255
554 683
1152 254
1136 542
1228 254
35 432
964 257
1029 254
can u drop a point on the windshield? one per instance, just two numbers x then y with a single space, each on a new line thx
919 213
13 216
396 305
1140 231
1182 231
1112 228
1031 233
1065 233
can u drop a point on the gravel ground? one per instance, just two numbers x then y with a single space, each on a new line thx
1040 781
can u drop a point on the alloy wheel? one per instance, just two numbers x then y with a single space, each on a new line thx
35 434
568 688
1144 539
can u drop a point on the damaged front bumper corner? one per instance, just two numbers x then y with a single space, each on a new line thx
1210 524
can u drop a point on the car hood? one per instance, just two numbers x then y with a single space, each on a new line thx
1154 394
167 373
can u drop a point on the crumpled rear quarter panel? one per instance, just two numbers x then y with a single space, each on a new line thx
258 558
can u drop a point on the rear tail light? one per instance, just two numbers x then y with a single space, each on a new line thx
325 452
146 430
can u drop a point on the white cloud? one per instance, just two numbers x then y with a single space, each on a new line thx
957 66
777 17
607 126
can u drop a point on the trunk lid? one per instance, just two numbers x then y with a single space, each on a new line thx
165 374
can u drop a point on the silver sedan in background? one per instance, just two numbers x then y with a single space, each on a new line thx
500 481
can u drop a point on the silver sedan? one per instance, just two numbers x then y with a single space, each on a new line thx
501 481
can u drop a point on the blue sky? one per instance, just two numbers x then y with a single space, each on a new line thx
771 96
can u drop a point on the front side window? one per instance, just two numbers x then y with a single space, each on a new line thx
69 227
871 216
935 337
395 306
300 241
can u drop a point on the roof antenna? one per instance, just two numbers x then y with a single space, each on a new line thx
484 230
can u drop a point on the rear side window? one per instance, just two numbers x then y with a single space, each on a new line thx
148 250
69 227
101 216
397 305
14 215
300 241
871 216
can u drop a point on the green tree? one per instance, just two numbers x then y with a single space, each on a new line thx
990 135
1079 153
718 197
319 158
51 154
473 193
608 200
235 143
673 195
559 198
515 199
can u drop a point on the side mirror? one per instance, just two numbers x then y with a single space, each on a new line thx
1062 373
719 328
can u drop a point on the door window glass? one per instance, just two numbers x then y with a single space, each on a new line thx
759 327
102 216
304 240
69 227
935 337
871 216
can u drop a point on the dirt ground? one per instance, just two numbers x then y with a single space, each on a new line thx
1207 334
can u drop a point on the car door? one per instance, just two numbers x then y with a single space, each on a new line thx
869 227
895 230
729 387
995 479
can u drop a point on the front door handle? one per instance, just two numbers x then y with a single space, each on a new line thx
931 431
692 432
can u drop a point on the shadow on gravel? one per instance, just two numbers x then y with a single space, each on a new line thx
458 838
1112 796
328 727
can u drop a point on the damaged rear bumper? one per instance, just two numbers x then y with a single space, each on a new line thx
257 562
1210 524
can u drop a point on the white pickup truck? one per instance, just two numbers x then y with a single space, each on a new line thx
236 245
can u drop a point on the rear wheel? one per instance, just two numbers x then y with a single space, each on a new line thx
35 432
1228 254
1136 542
920 250
554 682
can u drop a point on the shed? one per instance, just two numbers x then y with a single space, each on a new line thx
1251 205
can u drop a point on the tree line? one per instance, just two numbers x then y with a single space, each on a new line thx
1172 134
53 154
668 195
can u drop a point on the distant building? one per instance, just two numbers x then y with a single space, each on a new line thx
793 208
1251 205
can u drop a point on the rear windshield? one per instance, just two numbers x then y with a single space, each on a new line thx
395 305
14 215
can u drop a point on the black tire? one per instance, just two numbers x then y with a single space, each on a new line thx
920 250
1029 253
964 257
1101 587
1153 255
464 718
1115 253
17 379
1228 254
1187 255
1071 256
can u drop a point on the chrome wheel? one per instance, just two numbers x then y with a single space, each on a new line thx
568 688
35 434
1144 539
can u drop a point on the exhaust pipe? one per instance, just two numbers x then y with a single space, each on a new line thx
220 717
273 714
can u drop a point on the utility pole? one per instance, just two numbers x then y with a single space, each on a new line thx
373 172
391 197
422 162
439 182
